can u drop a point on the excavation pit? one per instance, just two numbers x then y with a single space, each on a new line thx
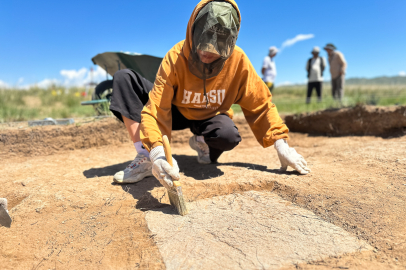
251 230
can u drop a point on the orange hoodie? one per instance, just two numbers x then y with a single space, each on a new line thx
237 83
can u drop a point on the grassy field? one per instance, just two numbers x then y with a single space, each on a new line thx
292 99
22 105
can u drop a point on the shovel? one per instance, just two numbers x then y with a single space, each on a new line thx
5 219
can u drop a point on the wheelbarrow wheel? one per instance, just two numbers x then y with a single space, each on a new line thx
103 90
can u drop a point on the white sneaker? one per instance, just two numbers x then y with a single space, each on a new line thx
202 149
140 168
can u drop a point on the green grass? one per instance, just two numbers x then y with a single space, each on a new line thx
57 102
35 103
292 99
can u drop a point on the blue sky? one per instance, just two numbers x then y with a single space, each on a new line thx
54 41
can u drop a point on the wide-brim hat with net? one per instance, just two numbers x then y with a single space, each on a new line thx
214 30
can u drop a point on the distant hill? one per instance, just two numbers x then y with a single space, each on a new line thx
398 80
383 80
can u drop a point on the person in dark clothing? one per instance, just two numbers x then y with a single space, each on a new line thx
315 67
130 95
199 79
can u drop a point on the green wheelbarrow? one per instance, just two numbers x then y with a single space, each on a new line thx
146 65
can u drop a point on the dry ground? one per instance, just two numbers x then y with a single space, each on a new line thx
68 214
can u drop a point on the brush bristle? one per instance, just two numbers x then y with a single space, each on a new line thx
176 199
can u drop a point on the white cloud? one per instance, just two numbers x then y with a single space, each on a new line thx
402 73
74 77
70 78
292 41
99 75
46 83
82 76
132 53
3 85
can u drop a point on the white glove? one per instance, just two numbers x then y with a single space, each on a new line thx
161 169
289 157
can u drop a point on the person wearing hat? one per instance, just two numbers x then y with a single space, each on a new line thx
269 68
199 79
315 67
338 66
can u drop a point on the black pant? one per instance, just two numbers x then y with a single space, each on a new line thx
271 88
337 87
310 86
130 94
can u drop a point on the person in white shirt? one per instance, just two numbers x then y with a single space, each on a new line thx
315 67
269 68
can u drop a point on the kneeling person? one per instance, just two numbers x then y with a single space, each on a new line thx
198 81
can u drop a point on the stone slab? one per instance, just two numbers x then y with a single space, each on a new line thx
50 121
253 230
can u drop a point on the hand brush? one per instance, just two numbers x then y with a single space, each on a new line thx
175 193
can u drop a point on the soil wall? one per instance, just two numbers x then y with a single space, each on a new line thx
359 120
47 140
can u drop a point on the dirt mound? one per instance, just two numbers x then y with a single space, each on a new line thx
47 140
359 120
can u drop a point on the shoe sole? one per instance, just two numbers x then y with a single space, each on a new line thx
198 158
133 180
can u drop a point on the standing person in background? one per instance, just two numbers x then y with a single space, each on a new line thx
269 68
337 70
315 67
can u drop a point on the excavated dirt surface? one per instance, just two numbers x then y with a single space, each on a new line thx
251 230
359 120
68 214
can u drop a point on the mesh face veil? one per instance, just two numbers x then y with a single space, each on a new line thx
215 30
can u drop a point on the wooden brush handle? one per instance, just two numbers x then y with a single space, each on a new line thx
168 151
168 155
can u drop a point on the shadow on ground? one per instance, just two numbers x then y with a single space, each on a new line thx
105 171
187 165
191 168
140 190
